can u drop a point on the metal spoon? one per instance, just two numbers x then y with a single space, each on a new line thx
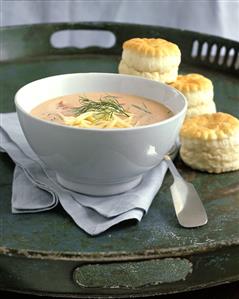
187 203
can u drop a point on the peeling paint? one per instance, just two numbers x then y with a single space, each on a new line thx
222 192
132 275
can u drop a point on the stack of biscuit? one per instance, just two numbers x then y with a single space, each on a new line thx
152 58
210 142
159 59
198 91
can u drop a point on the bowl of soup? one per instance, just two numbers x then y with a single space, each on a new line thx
100 132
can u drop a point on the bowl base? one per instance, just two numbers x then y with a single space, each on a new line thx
99 189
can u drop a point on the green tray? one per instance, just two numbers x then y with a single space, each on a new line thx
47 253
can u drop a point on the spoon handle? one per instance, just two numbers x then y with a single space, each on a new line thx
171 167
187 203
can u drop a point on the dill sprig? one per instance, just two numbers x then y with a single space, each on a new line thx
104 108
144 108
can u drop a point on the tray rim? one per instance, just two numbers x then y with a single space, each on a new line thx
71 25
154 253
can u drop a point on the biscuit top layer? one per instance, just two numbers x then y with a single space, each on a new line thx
152 47
192 83
210 126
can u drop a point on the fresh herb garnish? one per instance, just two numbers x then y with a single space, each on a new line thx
144 109
104 108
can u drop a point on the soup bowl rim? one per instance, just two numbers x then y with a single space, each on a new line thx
148 126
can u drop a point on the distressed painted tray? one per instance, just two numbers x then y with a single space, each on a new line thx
47 253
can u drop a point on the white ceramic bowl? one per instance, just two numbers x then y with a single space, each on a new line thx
99 161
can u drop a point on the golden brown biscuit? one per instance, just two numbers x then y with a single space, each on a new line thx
152 58
210 142
152 47
198 91
192 83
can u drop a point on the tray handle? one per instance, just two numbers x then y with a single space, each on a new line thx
214 52
82 38
132 275
24 42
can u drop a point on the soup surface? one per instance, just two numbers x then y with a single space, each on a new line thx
102 110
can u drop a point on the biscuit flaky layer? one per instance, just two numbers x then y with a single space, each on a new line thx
191 83
165 77
210 126
150 64
153 47
208 107
213 156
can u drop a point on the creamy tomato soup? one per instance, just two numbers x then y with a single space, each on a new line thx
102 110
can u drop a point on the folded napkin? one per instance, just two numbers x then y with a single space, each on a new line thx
35 188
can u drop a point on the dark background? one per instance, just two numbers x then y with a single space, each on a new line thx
226 291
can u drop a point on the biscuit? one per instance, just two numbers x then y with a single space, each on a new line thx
152 58
210 142
198 91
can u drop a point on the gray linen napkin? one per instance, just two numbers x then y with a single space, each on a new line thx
35 188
